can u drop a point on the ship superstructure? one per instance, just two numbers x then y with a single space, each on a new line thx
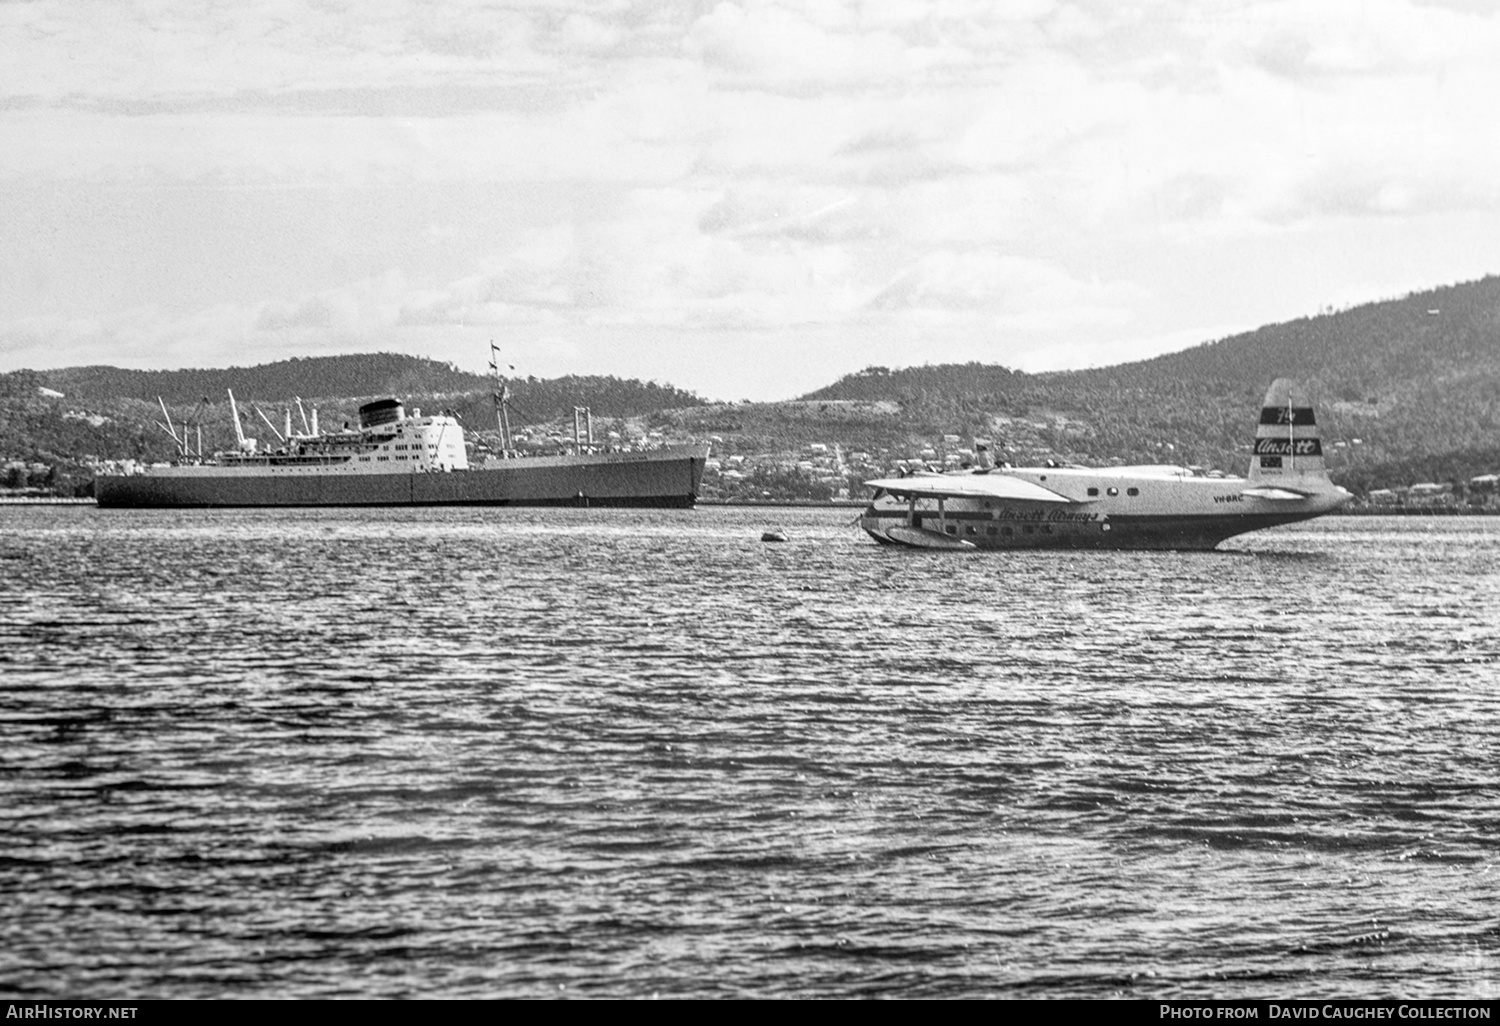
387 441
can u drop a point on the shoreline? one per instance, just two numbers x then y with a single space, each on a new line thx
1364 511
859 504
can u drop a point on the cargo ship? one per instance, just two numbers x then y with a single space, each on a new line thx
398 459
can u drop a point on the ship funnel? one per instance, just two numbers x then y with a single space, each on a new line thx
381 411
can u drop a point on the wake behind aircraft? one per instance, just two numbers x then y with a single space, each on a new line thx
1144 507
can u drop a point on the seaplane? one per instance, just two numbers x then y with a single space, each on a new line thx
1144 507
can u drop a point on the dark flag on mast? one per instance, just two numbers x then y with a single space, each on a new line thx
502 398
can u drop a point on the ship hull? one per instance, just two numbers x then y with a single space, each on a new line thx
657 478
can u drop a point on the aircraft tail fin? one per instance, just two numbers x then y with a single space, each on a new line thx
1288 444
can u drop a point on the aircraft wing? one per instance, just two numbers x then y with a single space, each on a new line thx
967 486
1268 492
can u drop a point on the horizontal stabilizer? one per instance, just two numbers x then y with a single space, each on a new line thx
1265 492
967 486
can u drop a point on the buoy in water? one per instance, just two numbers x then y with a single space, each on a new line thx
773 536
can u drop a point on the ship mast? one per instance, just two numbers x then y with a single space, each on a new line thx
234 412
279 436
182 443
583 427
502 401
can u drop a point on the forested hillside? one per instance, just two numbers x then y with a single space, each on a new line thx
312 377
1409 386
341 378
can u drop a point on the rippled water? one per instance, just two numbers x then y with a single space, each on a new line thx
527 753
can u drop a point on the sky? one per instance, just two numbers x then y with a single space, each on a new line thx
748 198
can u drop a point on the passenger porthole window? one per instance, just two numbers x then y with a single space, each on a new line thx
1114 491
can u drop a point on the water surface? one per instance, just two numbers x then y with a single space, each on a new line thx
479 752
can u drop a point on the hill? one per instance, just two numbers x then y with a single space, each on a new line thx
342 379
1408 386
310 377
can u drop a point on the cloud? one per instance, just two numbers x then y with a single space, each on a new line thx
776 47
353 312
1010 291
182 50
766 210
1338 39
1099 107
328 320
714 170
661 260
143 336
